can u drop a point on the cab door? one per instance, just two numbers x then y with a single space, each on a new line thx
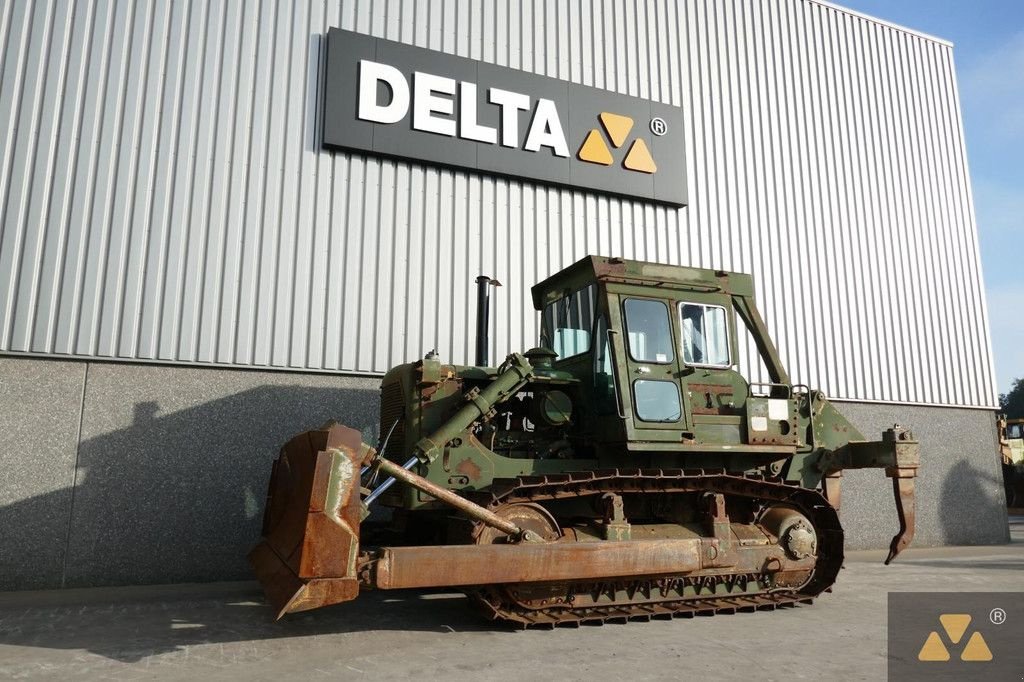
647 368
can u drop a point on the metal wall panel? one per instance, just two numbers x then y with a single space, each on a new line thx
163 195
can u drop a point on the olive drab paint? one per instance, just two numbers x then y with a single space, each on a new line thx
391 99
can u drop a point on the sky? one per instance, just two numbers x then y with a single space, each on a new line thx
988 50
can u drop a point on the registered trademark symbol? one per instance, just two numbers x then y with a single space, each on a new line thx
997 616
658 126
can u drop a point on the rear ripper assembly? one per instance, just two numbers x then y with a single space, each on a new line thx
623 470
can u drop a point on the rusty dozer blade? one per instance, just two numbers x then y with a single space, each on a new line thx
307 557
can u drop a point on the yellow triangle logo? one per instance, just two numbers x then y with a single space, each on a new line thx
618 127
955 625
933 649
594 150
639 158
976 649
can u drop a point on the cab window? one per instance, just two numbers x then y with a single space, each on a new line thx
705 335
656 400
567 322
648 331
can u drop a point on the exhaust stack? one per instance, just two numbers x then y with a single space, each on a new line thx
483 317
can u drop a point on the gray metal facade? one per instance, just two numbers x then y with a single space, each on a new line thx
164 196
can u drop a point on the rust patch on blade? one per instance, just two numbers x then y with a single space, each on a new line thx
469 469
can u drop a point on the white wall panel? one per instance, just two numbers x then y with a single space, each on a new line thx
163 195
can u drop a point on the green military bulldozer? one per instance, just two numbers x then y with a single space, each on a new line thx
622 470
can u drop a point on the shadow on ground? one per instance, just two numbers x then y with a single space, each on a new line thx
158 620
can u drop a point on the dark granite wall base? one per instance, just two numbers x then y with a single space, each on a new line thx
40 414
172 466
123 473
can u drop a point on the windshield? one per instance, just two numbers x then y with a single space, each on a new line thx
648 330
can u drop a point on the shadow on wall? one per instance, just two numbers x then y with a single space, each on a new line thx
967 504
179 497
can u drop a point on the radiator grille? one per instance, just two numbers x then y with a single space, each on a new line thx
392 408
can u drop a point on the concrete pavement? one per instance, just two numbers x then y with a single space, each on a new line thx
225 631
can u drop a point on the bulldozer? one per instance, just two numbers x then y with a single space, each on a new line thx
624 469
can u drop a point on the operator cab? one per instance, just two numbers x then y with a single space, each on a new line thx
657 348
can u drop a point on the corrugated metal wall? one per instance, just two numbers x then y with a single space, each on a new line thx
164 195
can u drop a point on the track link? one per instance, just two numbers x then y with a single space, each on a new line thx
685 595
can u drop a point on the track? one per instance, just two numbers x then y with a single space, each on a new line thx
684 595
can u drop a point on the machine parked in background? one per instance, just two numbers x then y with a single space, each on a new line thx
622 470
1011 447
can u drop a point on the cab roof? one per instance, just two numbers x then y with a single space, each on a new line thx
656 275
